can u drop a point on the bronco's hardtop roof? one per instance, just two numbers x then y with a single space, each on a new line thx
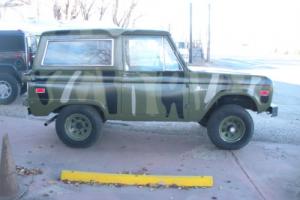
111 32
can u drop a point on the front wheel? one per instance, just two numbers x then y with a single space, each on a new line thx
230 127
78 126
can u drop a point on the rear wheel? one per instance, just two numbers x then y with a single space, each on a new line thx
9 89
78 126
230 127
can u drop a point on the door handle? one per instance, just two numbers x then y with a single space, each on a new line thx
130 74
34 79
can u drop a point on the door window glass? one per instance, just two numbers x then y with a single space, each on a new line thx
171 62
150 54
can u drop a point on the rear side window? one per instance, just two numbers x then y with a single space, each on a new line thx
89 52
12 43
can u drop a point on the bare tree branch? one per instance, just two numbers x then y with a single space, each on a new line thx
102 9
66 9
135 19
126 17
75 10
115 13
14 3
86 8
57 11
128 14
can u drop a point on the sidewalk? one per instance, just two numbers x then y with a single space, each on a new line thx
258 171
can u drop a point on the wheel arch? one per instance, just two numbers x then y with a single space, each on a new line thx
98 108
244 101
10 69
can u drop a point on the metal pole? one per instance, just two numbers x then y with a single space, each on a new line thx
191 34
208 36
37 10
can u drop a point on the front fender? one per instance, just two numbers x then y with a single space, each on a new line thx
243 99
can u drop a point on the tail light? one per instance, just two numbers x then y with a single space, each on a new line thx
264 96
264 93
40 90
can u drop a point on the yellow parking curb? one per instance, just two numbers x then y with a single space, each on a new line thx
133 179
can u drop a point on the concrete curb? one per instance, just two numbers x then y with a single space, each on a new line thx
133 179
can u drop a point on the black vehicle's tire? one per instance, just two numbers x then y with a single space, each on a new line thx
9 88
79 126
230 127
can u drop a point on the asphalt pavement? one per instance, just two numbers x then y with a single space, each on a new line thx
261 170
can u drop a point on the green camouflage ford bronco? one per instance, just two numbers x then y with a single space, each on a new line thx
86 77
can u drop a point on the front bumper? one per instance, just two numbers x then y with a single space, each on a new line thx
273 110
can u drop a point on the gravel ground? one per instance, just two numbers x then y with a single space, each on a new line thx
16 109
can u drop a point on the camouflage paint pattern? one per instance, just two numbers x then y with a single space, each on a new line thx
126 95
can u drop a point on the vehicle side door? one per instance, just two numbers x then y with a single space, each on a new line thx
155 84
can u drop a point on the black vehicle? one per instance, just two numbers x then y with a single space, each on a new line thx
17 49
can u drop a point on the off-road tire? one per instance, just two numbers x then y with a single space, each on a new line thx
89 114
15 88
215 127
